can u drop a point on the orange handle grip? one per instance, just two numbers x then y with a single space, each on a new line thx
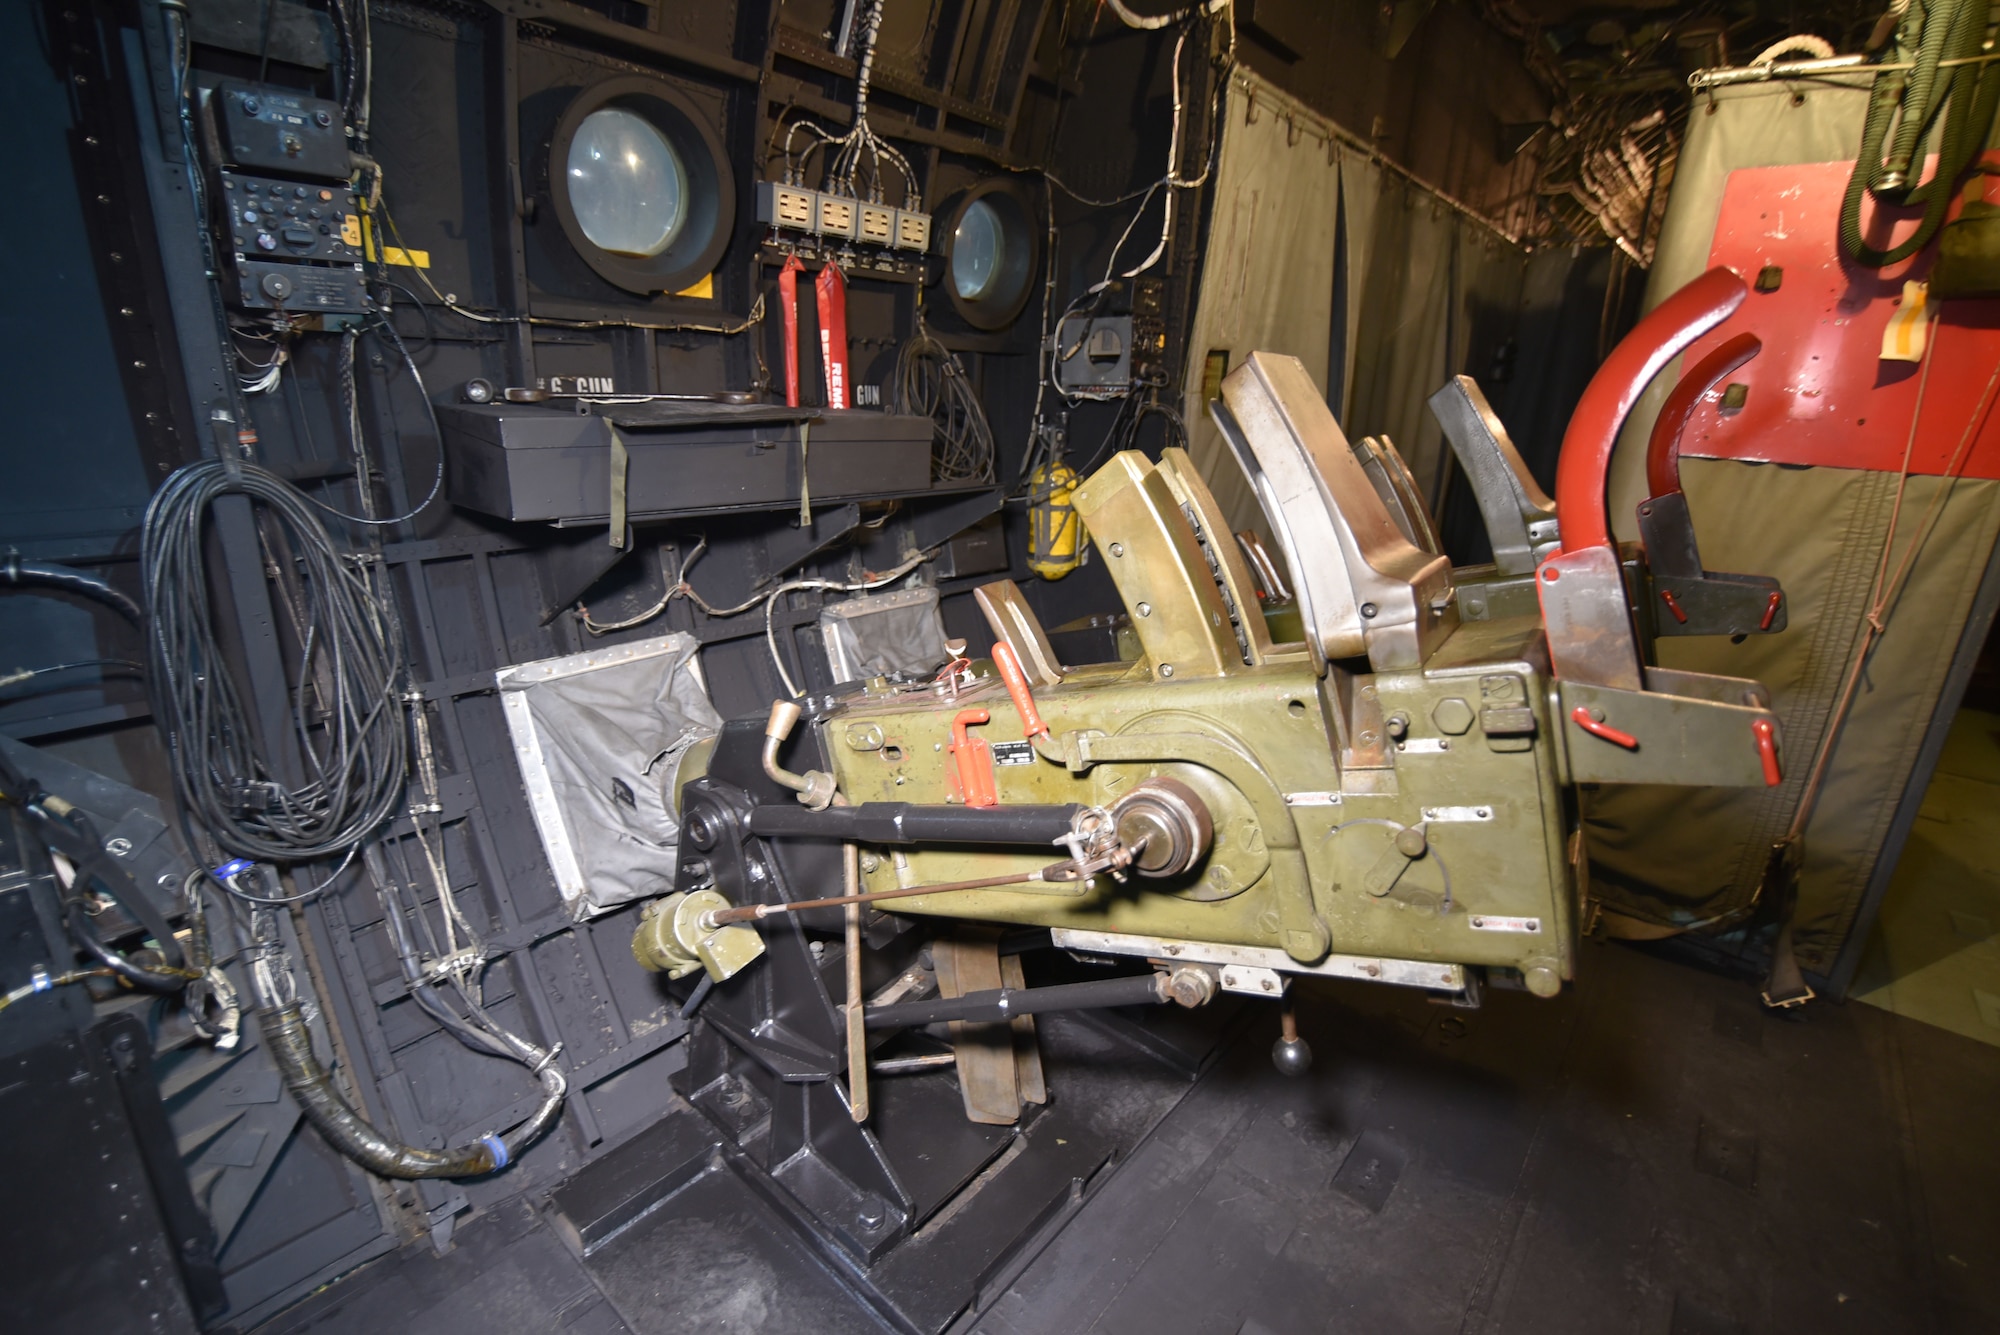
1617 737
1673 605
1767 750
1017 689
974 760
1771 611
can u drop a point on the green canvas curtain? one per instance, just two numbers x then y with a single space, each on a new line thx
1678 858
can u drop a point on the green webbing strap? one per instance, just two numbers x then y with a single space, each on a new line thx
805 484
620 464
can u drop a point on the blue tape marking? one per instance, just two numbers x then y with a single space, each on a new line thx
233 867
498 1147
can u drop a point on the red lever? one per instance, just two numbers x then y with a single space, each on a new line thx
974 759
1767 749
1585 464
1771 610
1596 728
1663 448
1017 689
1673 605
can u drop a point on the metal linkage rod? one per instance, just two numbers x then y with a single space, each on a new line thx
1007 1002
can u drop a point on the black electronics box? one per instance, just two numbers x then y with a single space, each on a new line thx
265 129
552 463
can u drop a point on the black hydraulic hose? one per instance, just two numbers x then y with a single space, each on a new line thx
290 1045
137 975
15 571
1007 1002
498 1042
901 823
1941 21
1954 30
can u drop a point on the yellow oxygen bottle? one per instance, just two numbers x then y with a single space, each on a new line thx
1055 530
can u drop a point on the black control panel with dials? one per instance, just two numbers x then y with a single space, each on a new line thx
284 208
275 219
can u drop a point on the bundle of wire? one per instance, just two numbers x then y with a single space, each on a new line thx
349 660
931 383
860 144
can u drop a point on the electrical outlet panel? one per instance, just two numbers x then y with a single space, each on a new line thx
791 208
878 224
913 230
786 206
837 216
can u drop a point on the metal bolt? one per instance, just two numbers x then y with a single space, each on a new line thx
1166 669
1118 549
870 1217
1145 609
121 847
1369 609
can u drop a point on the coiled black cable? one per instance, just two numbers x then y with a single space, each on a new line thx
350 661
931 383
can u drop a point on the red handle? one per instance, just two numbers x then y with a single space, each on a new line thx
1771 610
974 759
1663 449
1673 605
1017 689
1767 750
1585 464
1595 728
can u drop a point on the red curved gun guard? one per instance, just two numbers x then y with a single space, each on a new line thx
1585 464
1663 449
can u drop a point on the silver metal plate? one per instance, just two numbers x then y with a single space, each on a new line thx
1424 746
1445 815
1369 969
1013 753
1487 922
1253 982
1312 799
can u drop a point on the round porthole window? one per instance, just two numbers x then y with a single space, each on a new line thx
992 250
626 183
975 251
641 185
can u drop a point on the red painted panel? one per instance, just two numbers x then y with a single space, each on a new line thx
1820 393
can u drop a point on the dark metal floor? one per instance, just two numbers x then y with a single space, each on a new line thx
1651 1153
